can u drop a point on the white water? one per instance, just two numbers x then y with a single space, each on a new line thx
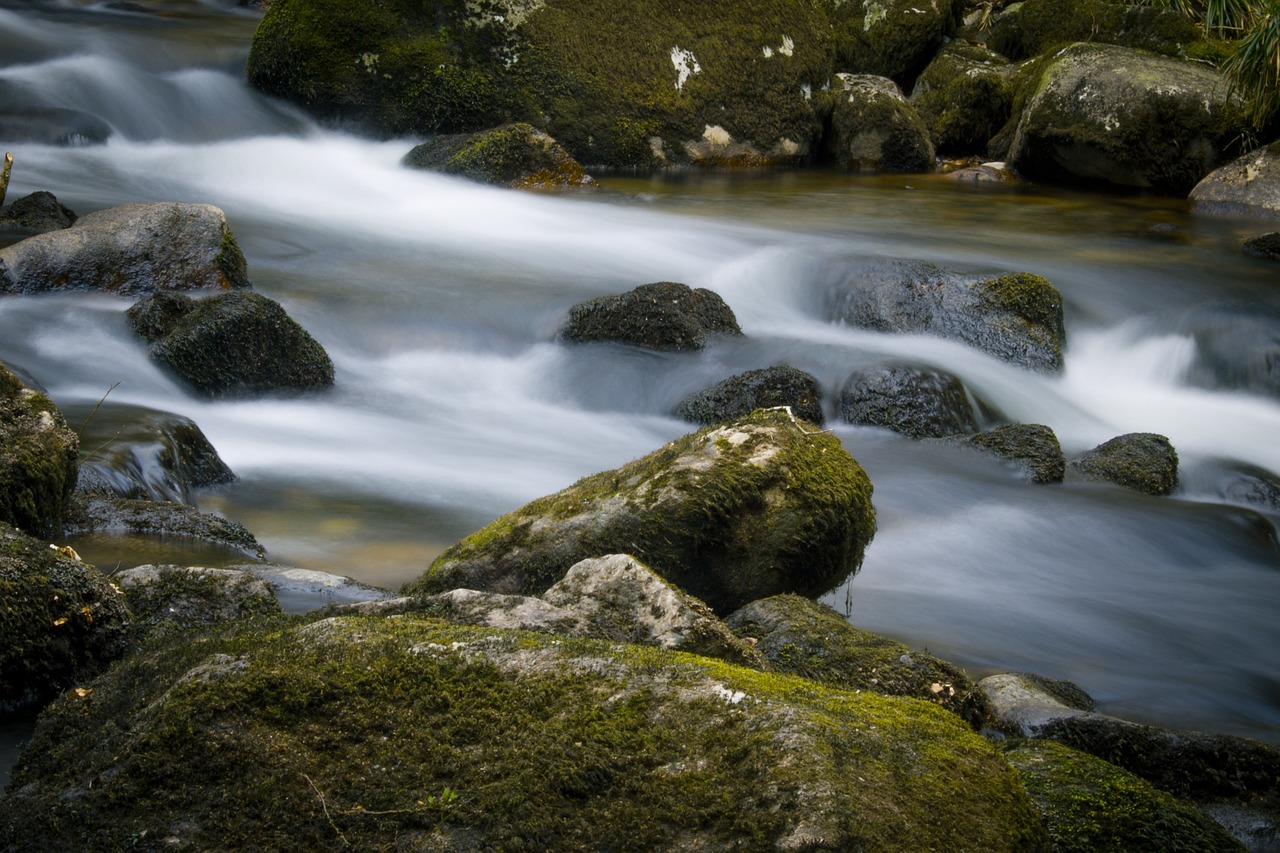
439 301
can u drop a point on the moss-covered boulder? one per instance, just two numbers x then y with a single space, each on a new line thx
917 401
419 734
180 598
1139 460
646 84
38 454
964 97
89 514
874 127
514 155
1247 186
1091 806
61 621
238 344
1126 118
38 212
664 315
891 38
780 385
1033 449
729 514
130 249
804 637
1034 27
1015 317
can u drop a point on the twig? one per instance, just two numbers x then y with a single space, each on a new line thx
345 842
97 406
4 175
796 420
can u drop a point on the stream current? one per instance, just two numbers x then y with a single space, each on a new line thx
439 302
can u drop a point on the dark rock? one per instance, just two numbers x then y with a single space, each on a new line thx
663 315
803 637
180 598
1015 317
1140 460
1248 186
964 97
1237 347
53 126
893 38
238 344
130 249
874 127
61 621
769 388
1032 448
514 155
1126 118
919 402
1035 27
1264 246
37 212
728 514
38 459
159 519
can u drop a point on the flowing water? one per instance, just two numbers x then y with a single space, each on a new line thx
439 301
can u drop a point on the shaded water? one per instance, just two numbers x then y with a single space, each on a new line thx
439 301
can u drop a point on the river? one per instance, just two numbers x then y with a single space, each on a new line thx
439 301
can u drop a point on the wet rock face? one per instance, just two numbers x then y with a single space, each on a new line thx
38 212
514 155
664 315
916 401
232 345
728 514
1033 449
740 395
1142 460
131 249
38 459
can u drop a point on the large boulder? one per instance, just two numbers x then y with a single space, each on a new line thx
38 458
1248 186
1034 27
665 315
513 155
238 344
1032 449
1126 118
1016 317
130 249
964 97
38 212
780 385
1143 461
920 402
807 638
651 84
60 620
891 38
417 734
874 127
729 514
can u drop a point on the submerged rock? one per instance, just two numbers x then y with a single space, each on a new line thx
919 402
1139 460
130 249
728 514
1248 186
180 598
231 345
417 733
39 212
514 155
664 315
1032 448
874 127
161 519
780 385
61 621
38 454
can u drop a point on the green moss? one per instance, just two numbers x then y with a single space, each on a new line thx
964 97
179 599
1143 461
1091 806
1043 26
1029 296
230 262
38 459
890 38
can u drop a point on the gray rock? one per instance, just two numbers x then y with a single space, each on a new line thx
1032 448
1140 460
302 590
664 315
38 457
167 597
874 127
919 402
39 212
160 519
130 249
1247 186
740 395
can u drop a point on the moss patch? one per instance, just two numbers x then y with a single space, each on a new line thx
38 459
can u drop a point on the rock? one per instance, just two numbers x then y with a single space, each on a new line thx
238 344
780 385
919 402
1237 347
653 85
416 733
179 598
302 590
1032 448
964 97
514 155
874 127
1090 805
1139 460
664 315
130 249
61 620
983 173
39 212
1247 186
1035 27
38 458
803 637
891 38
728 514
1264 246
1016 317
1127 118
157 456
160 519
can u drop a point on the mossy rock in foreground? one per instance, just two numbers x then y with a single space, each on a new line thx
732 513
38 459
416 734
